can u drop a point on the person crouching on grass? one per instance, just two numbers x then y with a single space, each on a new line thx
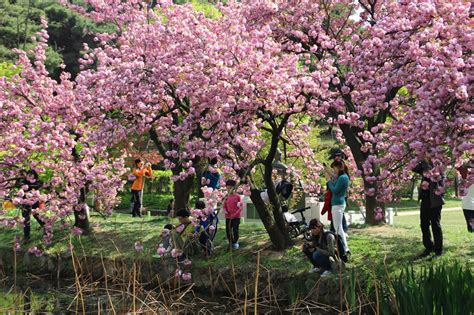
183 235
233 212
323 250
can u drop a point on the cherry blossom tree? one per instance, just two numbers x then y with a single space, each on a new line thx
368 68
202 89
145 79
42 129
399 88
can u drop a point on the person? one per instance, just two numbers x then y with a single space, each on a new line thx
170 208
207 227
338 189
337 155
166 237
327 209
212 177
183 235
32 182
140 170
468 208
468 199
233 212
8 204
430 210
323 251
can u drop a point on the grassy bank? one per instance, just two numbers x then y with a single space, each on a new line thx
398 245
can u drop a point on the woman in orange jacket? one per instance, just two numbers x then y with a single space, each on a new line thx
139 171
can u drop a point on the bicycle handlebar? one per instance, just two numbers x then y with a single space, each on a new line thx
300 210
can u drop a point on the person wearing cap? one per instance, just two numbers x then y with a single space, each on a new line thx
233 212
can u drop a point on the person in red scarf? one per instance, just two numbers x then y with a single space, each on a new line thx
336 155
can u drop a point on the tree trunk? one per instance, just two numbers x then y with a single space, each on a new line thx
456 186
412 189
276 236
278 219
182 191
370 205
360 157
272 219
81 218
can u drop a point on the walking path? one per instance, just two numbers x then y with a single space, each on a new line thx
416 212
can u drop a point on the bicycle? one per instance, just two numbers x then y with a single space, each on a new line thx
298 227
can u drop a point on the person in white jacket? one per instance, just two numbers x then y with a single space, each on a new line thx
468 199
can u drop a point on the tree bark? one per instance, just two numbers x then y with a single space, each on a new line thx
272 219
370 205
81 219
360 157
412 189
276 236
182 191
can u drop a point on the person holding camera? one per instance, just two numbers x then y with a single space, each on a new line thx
431 196
325 251
139 171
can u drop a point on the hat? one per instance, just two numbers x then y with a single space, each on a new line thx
230 182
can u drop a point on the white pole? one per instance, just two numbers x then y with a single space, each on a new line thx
141 195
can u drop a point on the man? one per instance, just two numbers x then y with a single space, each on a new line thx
431 196
323 251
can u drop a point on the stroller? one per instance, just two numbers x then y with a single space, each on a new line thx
207 230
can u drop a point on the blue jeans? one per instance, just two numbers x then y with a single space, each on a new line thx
321 261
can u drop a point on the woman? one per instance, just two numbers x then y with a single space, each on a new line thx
139 171
339 188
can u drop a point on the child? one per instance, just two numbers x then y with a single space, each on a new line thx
166 237
206 228
183 235
232 211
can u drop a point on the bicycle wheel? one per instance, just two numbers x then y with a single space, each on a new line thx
293 231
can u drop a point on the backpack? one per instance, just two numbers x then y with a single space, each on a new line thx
285 188
340 246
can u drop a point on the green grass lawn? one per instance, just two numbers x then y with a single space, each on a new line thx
115 237
150 201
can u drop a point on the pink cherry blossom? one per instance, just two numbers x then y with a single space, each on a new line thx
186 276
175 253
161 250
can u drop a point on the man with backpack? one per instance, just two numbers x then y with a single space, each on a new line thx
325 251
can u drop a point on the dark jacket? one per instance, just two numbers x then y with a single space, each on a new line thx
325 245
430 195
